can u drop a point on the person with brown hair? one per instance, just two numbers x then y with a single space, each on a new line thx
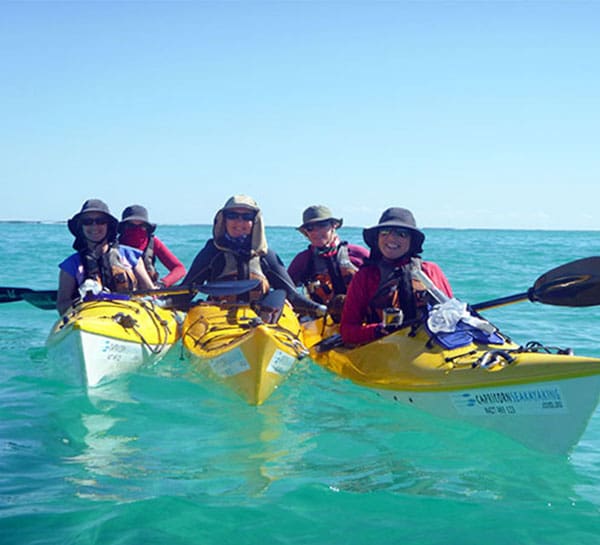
387 281
99 263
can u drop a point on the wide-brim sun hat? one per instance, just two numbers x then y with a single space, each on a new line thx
258 242
396 217
137 212
241 201
318 213
92 205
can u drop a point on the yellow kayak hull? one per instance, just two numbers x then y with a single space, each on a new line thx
541 399
101 340
232 345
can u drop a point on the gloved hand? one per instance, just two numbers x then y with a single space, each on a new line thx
318 311
311 308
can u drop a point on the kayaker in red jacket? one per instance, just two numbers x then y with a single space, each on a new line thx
135 230
326 267
385 281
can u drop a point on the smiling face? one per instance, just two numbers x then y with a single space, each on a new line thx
393 242
94 227
238 221
320 233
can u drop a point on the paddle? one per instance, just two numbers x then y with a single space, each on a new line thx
46 299
574 284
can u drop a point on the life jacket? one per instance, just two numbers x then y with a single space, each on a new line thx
398 289
329 273
234 263
109 270
150 259
228 265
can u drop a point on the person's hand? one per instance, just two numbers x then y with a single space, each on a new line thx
318 311
335 307
383 331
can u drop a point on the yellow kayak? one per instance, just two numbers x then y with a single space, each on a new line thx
542 399
102 339
231 344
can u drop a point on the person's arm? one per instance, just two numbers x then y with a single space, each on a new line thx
67 287
358 255
279 278
133 257
199 271
168 259
298 266
353 328
142 276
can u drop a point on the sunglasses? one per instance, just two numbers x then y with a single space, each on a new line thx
94 221
317 225
246 216
402 233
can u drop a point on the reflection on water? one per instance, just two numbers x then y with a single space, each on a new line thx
188 440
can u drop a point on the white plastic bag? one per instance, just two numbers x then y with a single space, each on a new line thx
444 317
89 286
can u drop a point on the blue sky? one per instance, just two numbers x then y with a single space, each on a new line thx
471 114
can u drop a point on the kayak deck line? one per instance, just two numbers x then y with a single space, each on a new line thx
105 339
231 344
512 389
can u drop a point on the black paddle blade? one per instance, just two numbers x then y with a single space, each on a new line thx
44 299
10 295
575 284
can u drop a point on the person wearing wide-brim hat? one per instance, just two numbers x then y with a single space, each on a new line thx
136 230
327 266
385 281
100 263
238 250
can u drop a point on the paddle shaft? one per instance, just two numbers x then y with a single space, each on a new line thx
46 299
501 301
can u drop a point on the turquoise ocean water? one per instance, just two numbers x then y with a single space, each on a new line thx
161 457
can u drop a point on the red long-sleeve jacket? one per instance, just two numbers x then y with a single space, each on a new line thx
363 287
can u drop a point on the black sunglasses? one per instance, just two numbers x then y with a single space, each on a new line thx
246 216
397 231
94 221
317 225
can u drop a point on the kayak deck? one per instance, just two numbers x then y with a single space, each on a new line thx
232 345
541 399
107 338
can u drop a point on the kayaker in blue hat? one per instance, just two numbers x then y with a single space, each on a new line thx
326 267
385 281
99 263
135 230
239 251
